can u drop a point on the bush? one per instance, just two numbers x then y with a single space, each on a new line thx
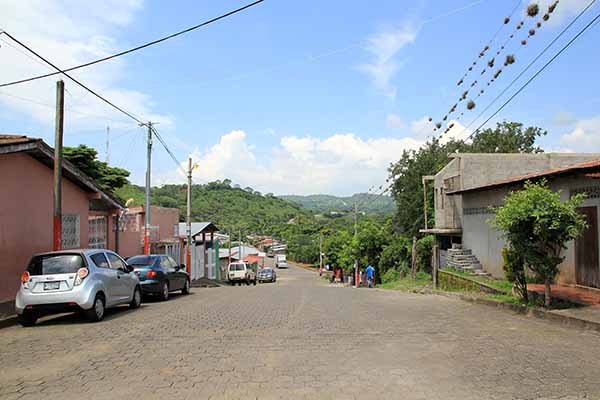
390 276
424 252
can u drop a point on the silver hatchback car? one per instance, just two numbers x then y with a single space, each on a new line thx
75 280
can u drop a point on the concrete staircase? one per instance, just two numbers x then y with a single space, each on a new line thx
464 260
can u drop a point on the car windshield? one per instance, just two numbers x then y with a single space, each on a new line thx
141 260
49 264
236 267
266 271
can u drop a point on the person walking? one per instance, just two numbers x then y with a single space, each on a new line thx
370 276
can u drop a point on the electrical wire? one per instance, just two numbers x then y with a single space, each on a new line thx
527 67
565 47
130 115
122 53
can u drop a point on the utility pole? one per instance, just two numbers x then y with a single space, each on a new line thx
355 233
148 171
58 150
230 233
240 257
321 254
188 220
108 144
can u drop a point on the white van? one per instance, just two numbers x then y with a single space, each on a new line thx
239 272
280 261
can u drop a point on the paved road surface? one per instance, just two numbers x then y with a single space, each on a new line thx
300 338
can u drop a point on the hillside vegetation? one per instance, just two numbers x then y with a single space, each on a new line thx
228 207
372 203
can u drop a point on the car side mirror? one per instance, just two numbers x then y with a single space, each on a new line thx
128 268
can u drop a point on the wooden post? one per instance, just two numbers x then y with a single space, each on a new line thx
413 270
435 262
58 150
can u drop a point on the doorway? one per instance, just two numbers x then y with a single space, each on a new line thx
587 268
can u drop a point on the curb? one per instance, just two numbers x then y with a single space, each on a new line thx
9 321
561 319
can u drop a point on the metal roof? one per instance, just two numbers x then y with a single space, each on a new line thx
591 166
197 228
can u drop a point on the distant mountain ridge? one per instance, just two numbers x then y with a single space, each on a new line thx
367 202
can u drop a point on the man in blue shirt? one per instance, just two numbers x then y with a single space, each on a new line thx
370 275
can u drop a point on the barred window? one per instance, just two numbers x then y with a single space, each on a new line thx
70 231
97 232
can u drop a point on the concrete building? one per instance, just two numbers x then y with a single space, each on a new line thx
470 184
163 231
89 215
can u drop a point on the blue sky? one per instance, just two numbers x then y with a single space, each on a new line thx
289 97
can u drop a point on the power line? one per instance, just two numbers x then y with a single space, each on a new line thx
134 48
565 47
73 79
164 144
528 66
130 115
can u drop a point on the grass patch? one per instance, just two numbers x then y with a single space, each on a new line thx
423 280
500 284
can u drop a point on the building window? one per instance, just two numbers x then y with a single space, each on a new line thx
592 192
97 232
70 231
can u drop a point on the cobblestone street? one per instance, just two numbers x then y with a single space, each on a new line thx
300 338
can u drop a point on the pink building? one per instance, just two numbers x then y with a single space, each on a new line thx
163 233
89 218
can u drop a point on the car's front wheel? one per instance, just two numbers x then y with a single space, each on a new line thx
164 291
96 313
27 319
136 300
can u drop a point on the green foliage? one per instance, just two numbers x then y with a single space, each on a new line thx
390 275
424 253
537 225
323 203
396 255
514 271
108 178
406 174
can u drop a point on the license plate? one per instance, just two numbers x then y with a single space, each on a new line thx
51 285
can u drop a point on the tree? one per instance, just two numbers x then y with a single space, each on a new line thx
406 174
84 157
537 225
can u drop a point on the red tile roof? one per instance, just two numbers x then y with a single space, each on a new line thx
589 165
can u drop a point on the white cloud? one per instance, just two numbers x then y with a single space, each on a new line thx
564 118
564 10
384 47
585 136
421 127
394 121
79 32
340 164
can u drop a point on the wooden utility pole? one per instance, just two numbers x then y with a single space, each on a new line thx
148 181
230 233
58 150
321 254
413 269
188 219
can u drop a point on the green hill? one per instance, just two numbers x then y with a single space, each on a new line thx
229 207
322 203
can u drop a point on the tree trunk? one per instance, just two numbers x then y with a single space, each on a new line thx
547 298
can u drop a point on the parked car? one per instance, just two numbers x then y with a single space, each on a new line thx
159 275
240 272
76 280
267 275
